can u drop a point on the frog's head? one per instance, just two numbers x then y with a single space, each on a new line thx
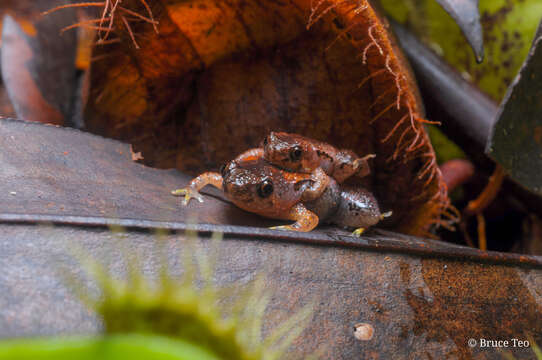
291 152
258 187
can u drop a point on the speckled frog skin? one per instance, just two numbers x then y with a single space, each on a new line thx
255 185
297 153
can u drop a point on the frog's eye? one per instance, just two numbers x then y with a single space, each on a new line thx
222 168
265 189
265 141
296 153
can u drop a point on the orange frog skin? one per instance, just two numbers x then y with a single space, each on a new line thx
300 154
255 185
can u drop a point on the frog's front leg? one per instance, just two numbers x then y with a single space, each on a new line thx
305 219
198 183
320 182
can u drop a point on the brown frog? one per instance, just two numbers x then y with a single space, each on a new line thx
255 185
300 154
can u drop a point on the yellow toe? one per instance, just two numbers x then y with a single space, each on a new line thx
358 232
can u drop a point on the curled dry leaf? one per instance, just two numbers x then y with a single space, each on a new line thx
38 64
201 81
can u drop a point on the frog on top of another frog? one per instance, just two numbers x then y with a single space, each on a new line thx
306 196
297 153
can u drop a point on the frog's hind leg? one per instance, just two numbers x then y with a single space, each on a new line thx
198 183
347 164
361 165
305 219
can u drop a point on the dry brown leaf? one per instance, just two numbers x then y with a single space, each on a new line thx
211 78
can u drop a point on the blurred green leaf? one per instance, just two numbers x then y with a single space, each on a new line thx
508 29
133 347
444 147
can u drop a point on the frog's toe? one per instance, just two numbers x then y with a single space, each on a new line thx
295 227
282 227
179 192
358 232
188 195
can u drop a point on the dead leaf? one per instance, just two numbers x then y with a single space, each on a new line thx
38 64
215 77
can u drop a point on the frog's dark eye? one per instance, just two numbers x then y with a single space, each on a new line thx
296 153
222 168
265 142
265 188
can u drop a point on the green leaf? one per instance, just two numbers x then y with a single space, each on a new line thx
133 347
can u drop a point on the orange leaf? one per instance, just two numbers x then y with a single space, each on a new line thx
214 78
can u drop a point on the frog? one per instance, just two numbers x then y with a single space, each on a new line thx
253 184
297 153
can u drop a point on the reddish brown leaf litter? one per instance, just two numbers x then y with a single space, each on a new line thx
211 79
391 79
104 25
